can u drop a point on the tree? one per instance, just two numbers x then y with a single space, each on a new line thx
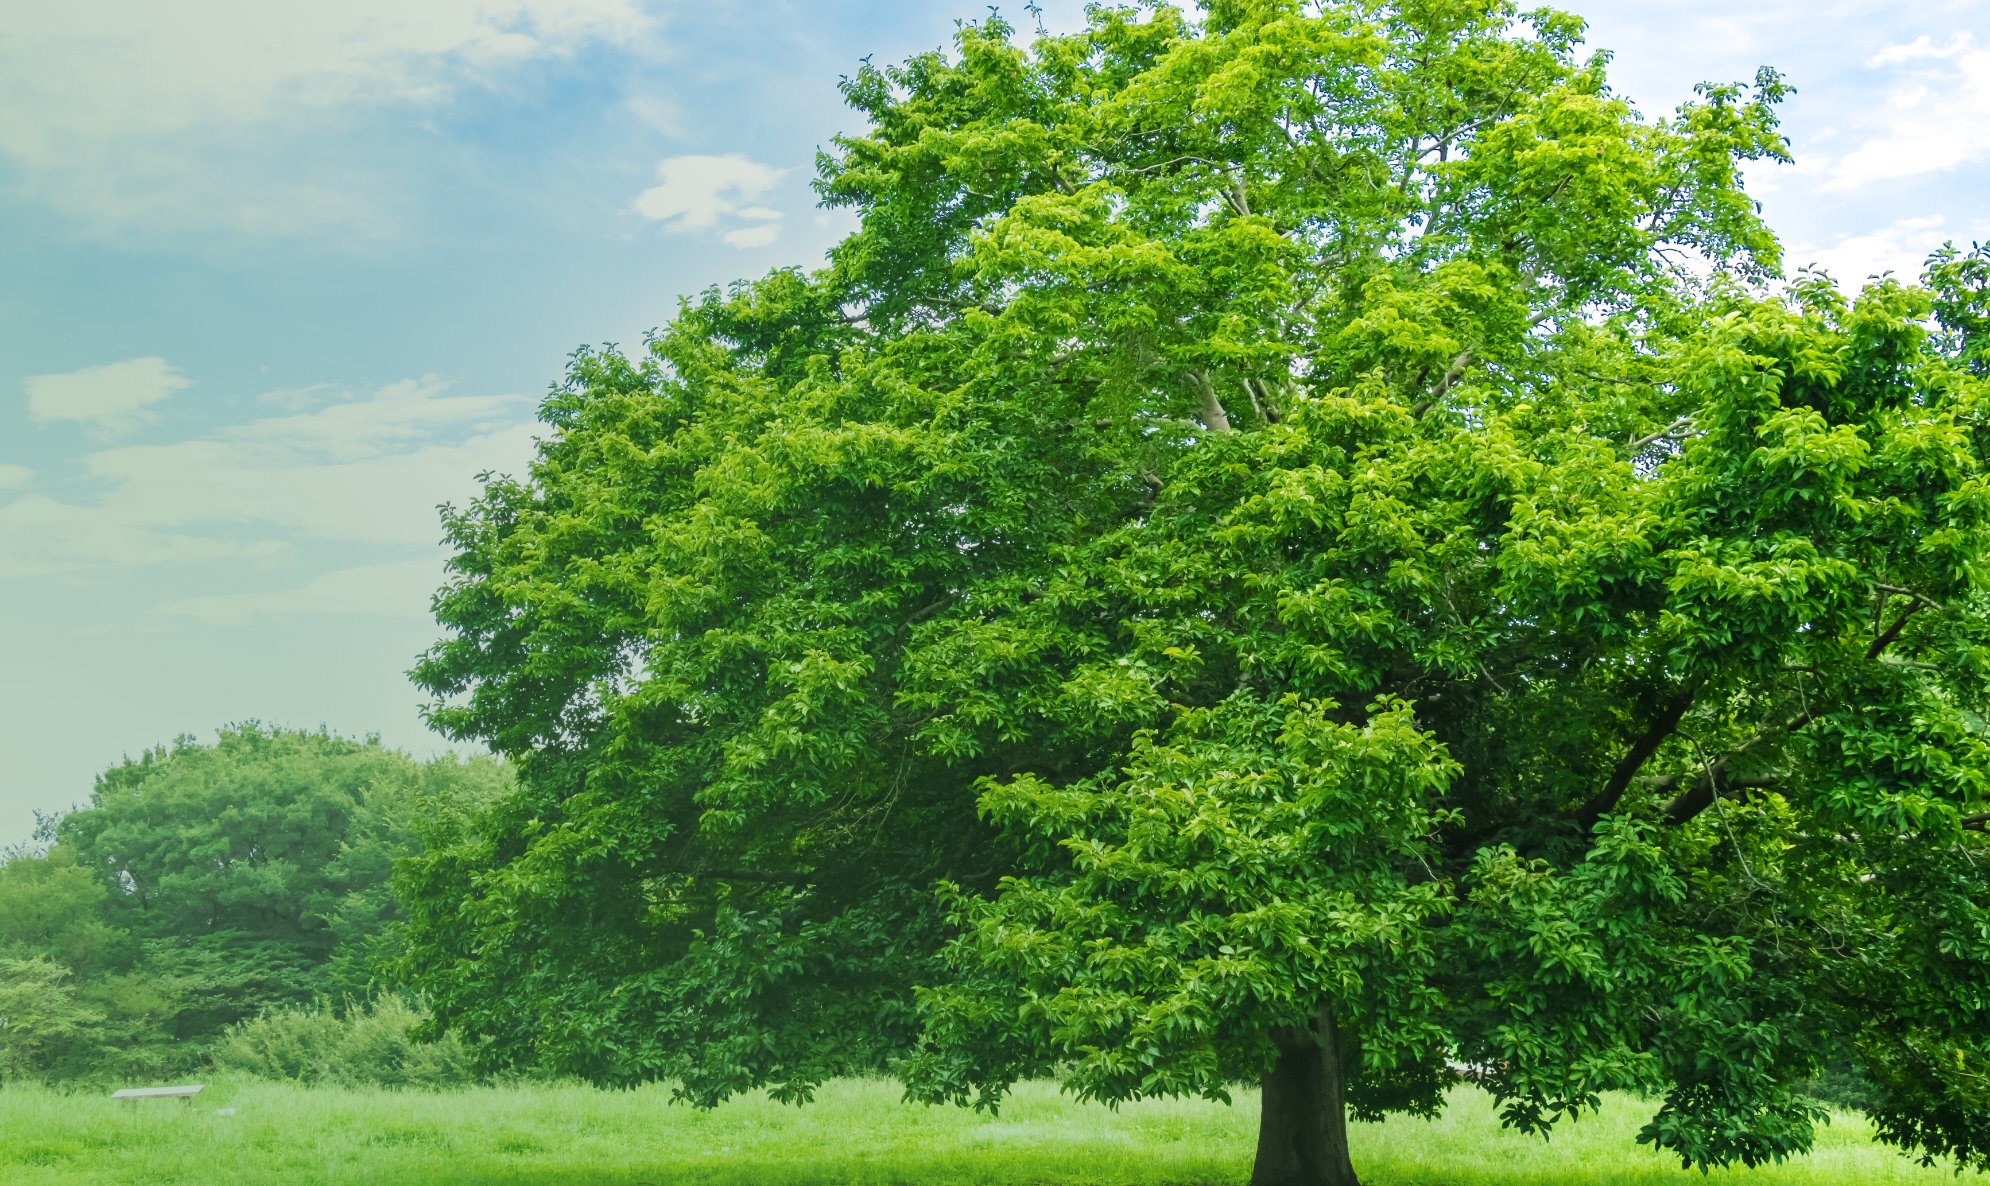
241 875
1265 516
1708 789
52 907
38 1015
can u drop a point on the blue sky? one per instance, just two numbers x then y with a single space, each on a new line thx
275 280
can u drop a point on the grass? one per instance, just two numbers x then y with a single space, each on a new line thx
857 1132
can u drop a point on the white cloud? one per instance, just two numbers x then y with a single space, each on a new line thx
111 397
366 470
135 117
403 413
391 590
698 191
1762 176
1901 248
658 114
752 236
1920 47
13 477
1938 116
42 537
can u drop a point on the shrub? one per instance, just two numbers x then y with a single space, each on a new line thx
368 1046
38 1016
1841 1084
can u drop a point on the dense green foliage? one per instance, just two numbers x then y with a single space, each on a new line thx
38 1015
365 1045
203 885
1268 517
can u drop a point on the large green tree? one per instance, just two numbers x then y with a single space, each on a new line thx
1291 545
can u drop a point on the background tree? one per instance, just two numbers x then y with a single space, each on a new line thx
1263 514
204 884
240 866
52 907
39 1015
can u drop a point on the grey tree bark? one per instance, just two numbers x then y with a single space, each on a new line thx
1302 1127
1213 414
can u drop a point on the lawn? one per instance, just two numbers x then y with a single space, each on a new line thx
856 1132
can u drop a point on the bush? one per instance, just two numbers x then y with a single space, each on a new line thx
1842 1084
38 1016
369 1046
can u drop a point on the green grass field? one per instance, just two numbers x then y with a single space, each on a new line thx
856 1132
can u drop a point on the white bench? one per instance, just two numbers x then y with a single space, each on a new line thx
131 1095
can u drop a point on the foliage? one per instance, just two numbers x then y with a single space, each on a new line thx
50 906
1841 1085
205 884
255 870
38 1014
1303 828
254 837
1263 478
370 1045
1961 284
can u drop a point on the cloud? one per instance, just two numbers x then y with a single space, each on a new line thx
1901 247
698 191
388 590
658 114
399 414
1921 47
1939 114
369 469
752 236
134 118
40 536
111 397
13 477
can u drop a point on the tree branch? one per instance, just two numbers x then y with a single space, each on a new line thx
1451 376
1236 195
1709 785
1669 430
1267 411
1702 796
1919 598
1594 377
1213 414
1257 408
1892 632
1641 750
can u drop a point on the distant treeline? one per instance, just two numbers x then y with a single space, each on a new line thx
206 886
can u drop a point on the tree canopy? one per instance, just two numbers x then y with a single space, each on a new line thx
1295 543
204 884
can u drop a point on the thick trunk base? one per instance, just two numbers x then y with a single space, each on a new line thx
1302 1129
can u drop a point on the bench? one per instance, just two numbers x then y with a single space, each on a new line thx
131 1095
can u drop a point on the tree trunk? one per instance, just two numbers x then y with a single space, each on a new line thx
1302 1127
